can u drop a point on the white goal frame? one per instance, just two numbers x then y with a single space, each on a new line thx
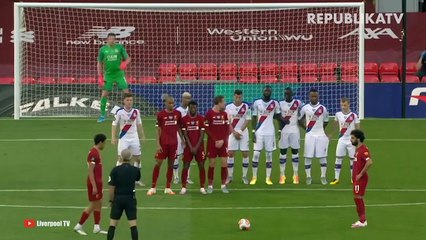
18 17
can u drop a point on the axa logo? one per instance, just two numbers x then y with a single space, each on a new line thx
373 33
416 96
97 35
25 36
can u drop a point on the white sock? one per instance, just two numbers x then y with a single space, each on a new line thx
323 163
255 163
268 164
246 163
295 163
352 165
78 225
96 226
176 168
338 168
283 161
308 163
230 167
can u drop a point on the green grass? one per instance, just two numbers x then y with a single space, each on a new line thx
29 160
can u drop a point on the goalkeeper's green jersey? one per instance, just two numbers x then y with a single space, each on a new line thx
111 57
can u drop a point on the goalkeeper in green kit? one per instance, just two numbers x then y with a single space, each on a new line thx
112 61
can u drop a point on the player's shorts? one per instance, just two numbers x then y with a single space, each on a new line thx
316 146
125 203
94 197
266 142
180 146
360 187
213 152
291 139
188 156
169 152
118 78
132 144
345 146
241 145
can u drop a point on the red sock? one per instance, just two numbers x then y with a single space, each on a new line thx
184 176
155 174
83 218
210 174
360 208
224 174
97 216
169 176
202 175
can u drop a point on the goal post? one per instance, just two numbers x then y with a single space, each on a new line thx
56 46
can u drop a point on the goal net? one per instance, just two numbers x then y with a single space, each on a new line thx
206 50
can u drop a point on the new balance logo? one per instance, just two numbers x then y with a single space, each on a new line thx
416 96
26 36
102 32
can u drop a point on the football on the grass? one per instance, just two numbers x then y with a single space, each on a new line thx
244 224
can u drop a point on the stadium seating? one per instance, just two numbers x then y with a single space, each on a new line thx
47 80
289 72
6 80
228 72
349 72
67 80
132 80
88 80
268 73
411 71
308 72
328 72
188 71
167 72
207 71
371 71
389 72
248 73
148 80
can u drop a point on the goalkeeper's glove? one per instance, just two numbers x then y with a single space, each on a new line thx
101 81
123 65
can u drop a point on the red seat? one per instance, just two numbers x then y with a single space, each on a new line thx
167 72
371 79
289 72
289 79
328 78
328 72
268 72
88 80
412 79
411 71
67 80
148 80
47 80
132 80
349 68
188 71
309 72
207 71
371 71
228 72
7 80
389 72
248 72
349 79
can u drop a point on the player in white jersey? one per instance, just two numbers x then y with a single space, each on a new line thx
290 134
128 119
314 118
239 116
264 112
183 109
347 121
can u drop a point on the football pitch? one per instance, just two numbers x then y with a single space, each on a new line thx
43 177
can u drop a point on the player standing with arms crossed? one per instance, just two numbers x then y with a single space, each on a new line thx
193 130
290 134
314 118
183 109
94 187
112 61
362 163
168 126
347 121
131 131
239 116
217 129
265 110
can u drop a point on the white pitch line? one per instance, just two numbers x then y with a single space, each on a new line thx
227 208
231 189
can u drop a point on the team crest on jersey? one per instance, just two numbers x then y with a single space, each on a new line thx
192 123
170 117
366 154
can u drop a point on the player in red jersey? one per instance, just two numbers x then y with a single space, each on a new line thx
168 126
218 130
193 130
94 187
360 177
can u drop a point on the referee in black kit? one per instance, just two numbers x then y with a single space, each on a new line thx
122 194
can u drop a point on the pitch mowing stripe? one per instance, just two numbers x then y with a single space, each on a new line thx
231 189
227 208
